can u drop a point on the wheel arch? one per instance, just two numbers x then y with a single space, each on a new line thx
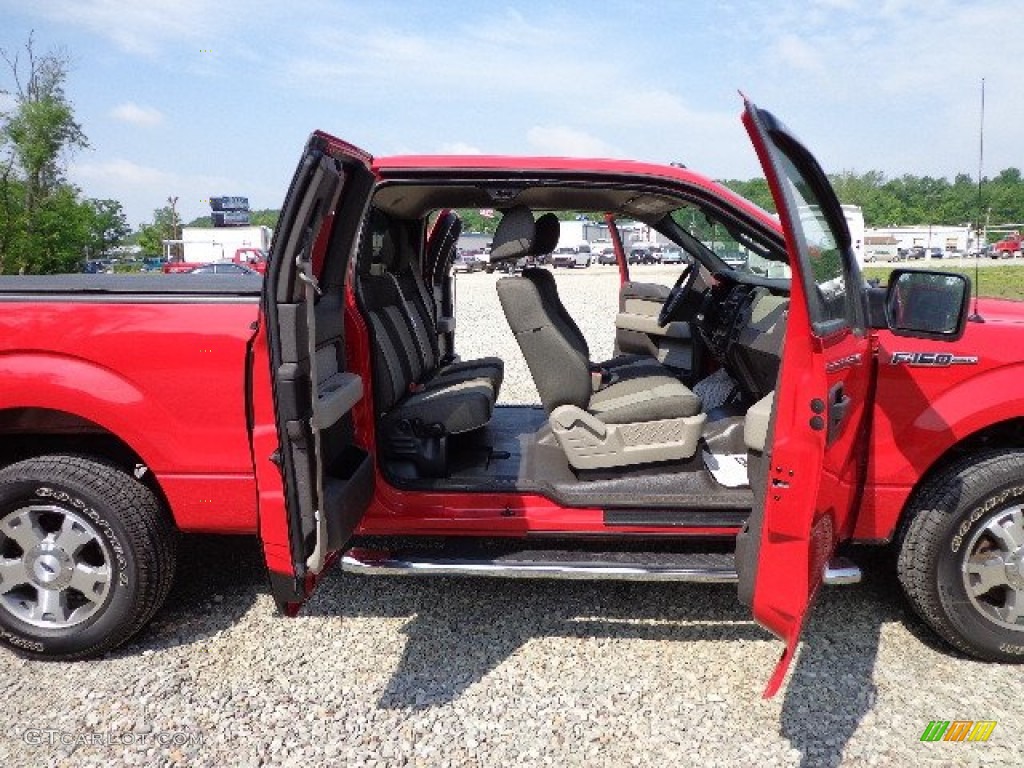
1001 435
45 431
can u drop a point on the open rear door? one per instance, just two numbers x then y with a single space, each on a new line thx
814 457
314 482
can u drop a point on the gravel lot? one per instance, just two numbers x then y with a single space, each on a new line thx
450 672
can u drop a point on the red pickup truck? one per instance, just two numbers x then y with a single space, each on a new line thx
755 418
1008 247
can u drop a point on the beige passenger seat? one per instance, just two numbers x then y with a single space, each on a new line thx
642 413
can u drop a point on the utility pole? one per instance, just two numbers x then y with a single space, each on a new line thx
173 202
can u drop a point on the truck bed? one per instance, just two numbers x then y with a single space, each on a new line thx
155 363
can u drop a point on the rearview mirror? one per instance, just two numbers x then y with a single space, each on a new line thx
930 305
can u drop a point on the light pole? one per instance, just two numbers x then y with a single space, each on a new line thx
173 202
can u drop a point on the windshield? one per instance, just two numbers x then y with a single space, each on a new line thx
738 249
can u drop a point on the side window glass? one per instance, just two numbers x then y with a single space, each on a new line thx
827 279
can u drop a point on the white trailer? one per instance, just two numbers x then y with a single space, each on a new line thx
203 245
855 222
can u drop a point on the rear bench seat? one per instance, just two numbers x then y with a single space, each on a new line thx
420 307
419 402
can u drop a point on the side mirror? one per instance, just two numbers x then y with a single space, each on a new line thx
928 305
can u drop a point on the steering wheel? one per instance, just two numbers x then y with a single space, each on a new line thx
678 295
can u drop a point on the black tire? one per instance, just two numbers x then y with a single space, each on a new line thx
951 519
129 538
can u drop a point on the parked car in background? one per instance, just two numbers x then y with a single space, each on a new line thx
223 268
916 252
510 266
673 256
253 258
571 256
153 264
468 261
643 254
606 256
98 266
935 252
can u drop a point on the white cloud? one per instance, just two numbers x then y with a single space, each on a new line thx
565 141
135 27
143 188
482 57
459 148
122 172
130 112
195 30
798 54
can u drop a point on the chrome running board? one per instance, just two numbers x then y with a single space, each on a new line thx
691 567
703 568
711 569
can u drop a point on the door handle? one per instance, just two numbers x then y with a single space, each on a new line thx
838 408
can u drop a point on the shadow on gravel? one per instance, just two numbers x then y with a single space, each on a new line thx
459 630
456 636
831 688
217 582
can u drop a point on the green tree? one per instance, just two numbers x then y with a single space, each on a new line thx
755 190
266 217
107 226
41 216
151 235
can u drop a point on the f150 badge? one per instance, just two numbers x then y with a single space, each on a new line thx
931 359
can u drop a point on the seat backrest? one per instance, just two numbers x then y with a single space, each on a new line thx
548 233
442 247
559 369
548 290
417 303
398 361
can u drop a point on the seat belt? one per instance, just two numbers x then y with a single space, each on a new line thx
311 290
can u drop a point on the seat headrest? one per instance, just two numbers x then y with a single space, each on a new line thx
515 235
387 256
548 230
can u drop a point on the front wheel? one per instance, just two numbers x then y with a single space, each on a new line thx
87 556
961 561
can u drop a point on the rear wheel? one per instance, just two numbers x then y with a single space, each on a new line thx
87 556
961 561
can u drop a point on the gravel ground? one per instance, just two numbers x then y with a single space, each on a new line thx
450 672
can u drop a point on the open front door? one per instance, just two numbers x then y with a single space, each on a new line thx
314 482
813 464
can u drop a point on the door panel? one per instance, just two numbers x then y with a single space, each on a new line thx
637 330
325 481
812 469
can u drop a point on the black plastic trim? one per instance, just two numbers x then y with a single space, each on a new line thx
677 518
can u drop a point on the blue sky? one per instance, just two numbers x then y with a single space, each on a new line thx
196 99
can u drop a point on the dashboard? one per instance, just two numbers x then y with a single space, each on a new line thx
743 326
